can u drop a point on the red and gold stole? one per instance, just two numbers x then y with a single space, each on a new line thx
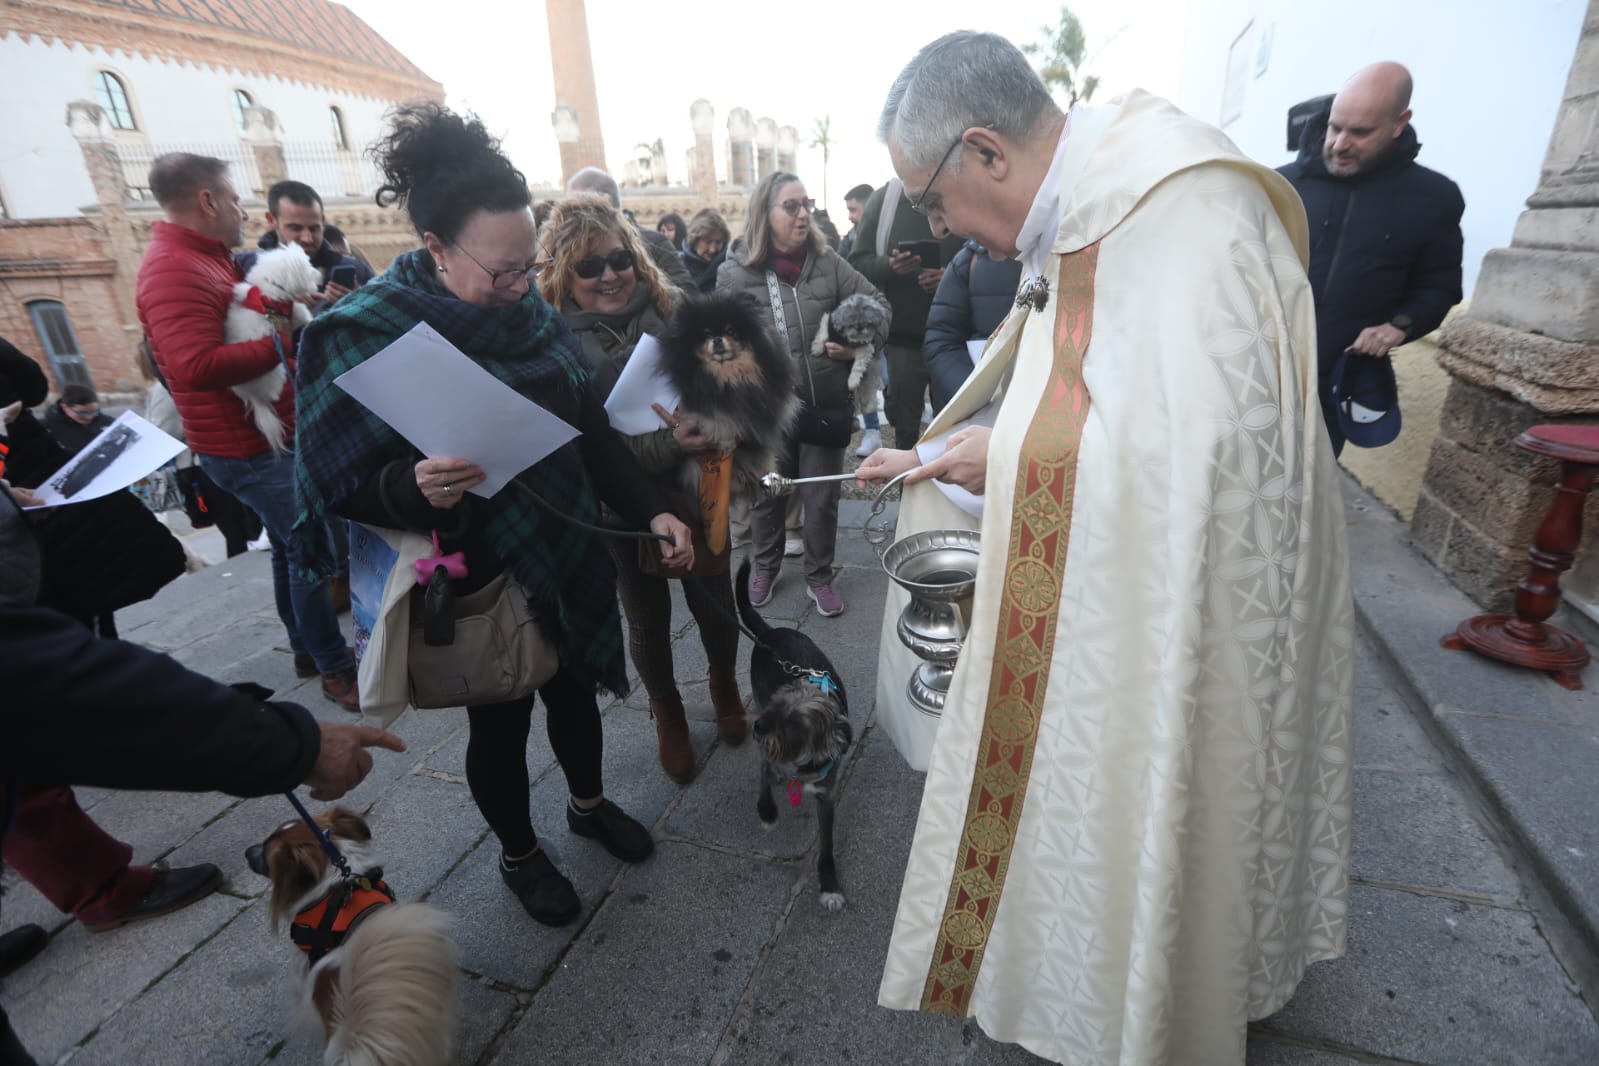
1046 481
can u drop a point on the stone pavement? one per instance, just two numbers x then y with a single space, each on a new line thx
1463 948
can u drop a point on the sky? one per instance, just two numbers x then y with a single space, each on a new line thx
795 65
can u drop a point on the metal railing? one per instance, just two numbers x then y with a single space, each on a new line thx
332 172
136 160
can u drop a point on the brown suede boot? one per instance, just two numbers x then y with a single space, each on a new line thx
731 723
671 733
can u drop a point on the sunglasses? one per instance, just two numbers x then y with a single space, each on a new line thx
792 207
592 267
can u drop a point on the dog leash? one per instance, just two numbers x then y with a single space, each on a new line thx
324 838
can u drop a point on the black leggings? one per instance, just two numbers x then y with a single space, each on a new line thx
496 754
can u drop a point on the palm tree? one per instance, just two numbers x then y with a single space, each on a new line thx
824 141
1061 55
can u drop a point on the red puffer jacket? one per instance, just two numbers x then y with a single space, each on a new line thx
185 288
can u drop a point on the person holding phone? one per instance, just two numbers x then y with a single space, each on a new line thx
294 216
896 250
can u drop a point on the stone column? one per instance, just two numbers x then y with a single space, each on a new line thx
740 149
702 157
573 67
265 136
788 149
765 147
1526 352
97 140
564 119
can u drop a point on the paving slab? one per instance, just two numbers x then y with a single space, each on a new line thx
84 978
1442 981
1395 809
230 1000
152 822
685 929
1543 776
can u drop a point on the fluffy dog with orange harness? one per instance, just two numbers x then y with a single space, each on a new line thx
380 976
738 385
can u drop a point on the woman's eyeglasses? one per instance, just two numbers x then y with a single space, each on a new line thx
592 267
504 279
792 207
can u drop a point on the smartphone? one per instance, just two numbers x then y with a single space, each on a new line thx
343 274
931 252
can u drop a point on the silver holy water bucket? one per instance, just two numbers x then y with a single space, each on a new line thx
938 568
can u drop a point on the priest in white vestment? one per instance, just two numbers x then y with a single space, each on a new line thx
1134 835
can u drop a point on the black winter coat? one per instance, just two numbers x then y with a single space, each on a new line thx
1385 242
99 555
973 299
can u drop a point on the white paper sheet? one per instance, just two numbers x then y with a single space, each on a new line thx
125 451
640 385
432 394
975 349
933 447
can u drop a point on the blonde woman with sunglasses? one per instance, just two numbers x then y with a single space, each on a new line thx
603 282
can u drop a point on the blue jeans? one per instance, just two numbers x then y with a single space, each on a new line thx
266 485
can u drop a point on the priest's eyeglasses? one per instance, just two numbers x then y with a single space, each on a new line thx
920 204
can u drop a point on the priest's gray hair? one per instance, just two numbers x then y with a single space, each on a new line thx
962 80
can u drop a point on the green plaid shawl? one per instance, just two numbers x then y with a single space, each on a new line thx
340 444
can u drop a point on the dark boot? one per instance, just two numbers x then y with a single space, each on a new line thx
671 732
732 721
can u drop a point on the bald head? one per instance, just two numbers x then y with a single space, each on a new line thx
595 180
1368 115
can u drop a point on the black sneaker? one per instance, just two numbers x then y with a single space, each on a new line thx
19 945
170 890
545 893
621 835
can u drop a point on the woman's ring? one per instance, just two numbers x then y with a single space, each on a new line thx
447 490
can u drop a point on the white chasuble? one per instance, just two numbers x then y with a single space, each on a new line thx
1134 834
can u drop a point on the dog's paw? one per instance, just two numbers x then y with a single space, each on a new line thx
832 901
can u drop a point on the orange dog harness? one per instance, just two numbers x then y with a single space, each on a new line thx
322 927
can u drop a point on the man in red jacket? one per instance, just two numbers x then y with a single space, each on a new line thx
184 290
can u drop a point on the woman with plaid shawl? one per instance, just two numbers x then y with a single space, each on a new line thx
470 281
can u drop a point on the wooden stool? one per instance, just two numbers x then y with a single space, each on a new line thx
1524 638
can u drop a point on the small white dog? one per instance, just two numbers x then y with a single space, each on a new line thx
263 304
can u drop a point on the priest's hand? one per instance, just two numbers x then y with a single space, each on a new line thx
885 464
681 551
929 280
964 463
904 262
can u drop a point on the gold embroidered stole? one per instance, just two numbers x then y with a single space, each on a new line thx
1046 480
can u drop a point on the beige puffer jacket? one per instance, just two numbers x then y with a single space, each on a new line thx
824 284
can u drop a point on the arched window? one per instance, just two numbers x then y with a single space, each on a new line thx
241 100
60 342
341 139
113 97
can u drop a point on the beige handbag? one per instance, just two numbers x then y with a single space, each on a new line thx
498 653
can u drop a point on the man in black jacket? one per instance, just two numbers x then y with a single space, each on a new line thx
294 216
1385 238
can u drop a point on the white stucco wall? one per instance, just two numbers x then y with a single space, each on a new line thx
1488 80
175 104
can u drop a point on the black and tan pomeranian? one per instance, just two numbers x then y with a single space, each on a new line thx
734 380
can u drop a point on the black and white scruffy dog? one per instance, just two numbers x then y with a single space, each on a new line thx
801 724
860 324
733 380
263 304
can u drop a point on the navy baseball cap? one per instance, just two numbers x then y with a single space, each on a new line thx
1366 395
